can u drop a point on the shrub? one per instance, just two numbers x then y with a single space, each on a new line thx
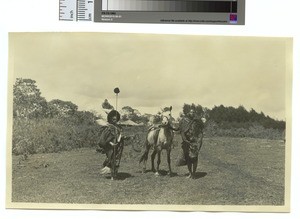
252 130
52 135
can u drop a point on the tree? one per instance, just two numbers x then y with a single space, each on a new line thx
84 118
253 115
96 114
61 108
128 112
242 115
199 110
27 100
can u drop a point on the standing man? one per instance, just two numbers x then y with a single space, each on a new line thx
191 130
110 140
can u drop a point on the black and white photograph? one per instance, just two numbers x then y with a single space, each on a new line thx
129 121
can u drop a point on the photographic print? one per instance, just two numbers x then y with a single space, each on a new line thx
149 122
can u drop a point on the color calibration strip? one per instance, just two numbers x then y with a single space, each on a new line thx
222 12
170 6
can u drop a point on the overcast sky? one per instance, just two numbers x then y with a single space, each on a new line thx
153 71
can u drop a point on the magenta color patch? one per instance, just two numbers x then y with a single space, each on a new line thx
233 18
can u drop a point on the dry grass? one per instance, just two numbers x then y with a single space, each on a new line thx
231 171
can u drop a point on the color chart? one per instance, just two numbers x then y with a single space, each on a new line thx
224 12
170 6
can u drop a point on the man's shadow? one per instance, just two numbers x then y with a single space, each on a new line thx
161 173
198 175
166 173
121 176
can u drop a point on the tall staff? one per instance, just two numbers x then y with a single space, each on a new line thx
116 91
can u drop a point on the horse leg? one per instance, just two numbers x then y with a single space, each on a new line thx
152 160
169 161
158 162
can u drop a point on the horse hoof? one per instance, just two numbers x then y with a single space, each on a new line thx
189 176
156 174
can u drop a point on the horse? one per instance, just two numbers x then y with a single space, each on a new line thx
158 139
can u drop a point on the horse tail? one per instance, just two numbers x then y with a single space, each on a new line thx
144 157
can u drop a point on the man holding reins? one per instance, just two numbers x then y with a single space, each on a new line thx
191 130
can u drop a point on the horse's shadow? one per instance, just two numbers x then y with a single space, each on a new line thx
145 171
198 175
166 173
121 176
161 173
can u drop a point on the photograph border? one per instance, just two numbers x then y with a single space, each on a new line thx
230 208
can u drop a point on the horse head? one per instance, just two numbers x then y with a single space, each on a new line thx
166 116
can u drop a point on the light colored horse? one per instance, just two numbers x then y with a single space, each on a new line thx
159 138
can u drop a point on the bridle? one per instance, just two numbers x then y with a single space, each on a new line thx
164 125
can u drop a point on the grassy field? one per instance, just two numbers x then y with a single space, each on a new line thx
231 171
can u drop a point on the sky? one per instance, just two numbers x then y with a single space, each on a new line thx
154 71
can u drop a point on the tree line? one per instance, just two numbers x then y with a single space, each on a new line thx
28 103
230 116
221 114
41 126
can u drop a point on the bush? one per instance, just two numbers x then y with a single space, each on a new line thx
52 135
251 130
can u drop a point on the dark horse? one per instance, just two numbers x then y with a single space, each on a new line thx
158 139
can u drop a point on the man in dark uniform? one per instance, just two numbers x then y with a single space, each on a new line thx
191 133
110 140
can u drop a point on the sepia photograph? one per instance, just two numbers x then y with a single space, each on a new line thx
123 121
